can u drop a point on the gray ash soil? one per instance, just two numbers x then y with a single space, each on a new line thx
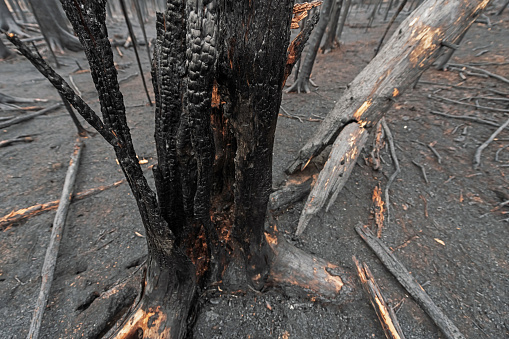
447 232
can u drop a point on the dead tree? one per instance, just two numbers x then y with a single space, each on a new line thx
7 22
302 82
53 24
330 37
218 73
413 48
342 19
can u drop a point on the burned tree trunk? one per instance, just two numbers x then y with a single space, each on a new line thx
4 51
7 22
53 24
330 37
302 83
218 71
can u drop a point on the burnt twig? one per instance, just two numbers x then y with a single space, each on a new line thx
466 117
21 138
390 139
29 116
135 46
423 170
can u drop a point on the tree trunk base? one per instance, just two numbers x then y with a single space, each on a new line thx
165 306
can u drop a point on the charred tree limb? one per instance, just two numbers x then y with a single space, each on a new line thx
50 261
410 284
411 50
63 87
384 313
336 172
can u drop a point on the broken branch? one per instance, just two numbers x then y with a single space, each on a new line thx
50 260
410 284
385 314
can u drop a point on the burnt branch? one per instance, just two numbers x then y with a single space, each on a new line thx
64 89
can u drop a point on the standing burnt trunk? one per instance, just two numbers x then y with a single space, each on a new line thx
218 71
53 24
302 83
7 22
330 37
4 51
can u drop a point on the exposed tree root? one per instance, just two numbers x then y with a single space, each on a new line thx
167 307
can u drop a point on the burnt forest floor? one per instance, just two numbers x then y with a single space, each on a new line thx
449 232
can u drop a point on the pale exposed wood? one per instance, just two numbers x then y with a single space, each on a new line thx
334 175
410 284
412 49
293 266
385 314
50 260
29 116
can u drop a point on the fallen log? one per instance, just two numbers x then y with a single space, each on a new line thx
50 261
412 49
410 284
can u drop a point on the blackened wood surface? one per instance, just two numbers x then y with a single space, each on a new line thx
251 67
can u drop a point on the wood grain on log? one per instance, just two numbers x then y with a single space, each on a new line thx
412 49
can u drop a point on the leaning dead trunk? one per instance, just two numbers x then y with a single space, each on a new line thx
413 48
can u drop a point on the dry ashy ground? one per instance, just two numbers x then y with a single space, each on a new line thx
446 228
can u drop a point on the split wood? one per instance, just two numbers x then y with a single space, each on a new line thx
385 314
390 139
392 71
28 116
410 284
477 157
24 213
50 261
334 175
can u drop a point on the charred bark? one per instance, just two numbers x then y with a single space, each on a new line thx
302 83
218 72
